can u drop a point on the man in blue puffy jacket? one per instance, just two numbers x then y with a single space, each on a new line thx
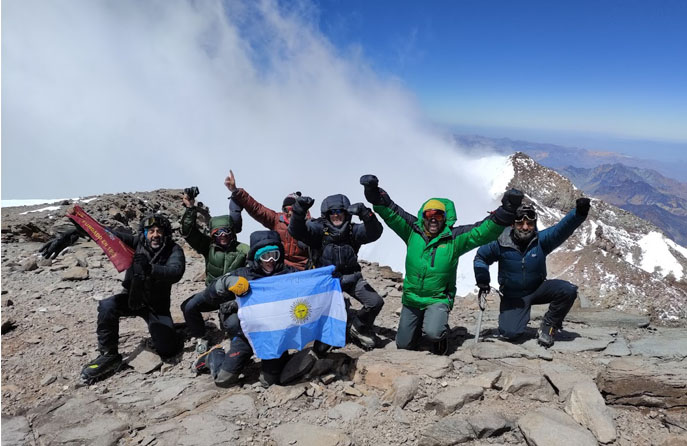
521 251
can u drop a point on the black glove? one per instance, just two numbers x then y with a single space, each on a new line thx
141 265
511 200
482 295
302 204
582 206
229 307
369 181
51 249
359 209
373 193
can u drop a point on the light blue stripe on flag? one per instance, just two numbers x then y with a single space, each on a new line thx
289 311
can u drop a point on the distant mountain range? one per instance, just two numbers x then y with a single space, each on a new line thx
623 181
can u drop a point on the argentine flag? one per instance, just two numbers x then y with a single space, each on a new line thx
289 311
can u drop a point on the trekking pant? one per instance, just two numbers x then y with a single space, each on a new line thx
432 321
515 313
160 326
366 295
194 306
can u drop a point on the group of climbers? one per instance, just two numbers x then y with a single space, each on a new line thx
294 241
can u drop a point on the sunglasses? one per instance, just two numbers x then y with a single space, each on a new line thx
336 211
434 214
287 209
269 256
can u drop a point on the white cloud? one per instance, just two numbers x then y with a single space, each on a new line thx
136 95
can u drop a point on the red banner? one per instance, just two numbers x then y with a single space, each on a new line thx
116 250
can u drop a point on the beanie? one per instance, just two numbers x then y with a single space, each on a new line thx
434 204
290 199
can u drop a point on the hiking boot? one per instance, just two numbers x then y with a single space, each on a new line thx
267 379
226 379
200 365
440 347
545 334
101 367
363 335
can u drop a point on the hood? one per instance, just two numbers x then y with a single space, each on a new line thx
260 239
338 201
221 221
162 221
450 212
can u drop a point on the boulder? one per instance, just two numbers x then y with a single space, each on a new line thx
448 431
402 391
548 426
668 344
454 398
563 378
304 434
647 382
75 273
346 411
499 350
587 407
379 368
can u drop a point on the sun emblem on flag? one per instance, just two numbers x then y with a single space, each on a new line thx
300 311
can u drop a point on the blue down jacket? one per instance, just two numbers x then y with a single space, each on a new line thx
521 272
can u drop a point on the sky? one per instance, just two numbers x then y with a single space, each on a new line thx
129 95
578 72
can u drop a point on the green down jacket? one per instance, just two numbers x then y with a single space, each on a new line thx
218 260
431 264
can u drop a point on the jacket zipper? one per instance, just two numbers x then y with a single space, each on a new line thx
434 254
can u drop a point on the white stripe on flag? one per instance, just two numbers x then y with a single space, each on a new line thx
283 314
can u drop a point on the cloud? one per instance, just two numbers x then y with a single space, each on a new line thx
129 95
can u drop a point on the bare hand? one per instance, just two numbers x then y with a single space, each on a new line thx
230 181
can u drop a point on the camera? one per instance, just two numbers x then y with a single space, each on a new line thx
192 192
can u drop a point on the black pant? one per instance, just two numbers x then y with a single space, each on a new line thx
194 306
160 326
366 295
515 313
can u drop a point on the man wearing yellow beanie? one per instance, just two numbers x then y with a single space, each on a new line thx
434 247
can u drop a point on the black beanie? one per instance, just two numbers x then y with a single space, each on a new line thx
290 199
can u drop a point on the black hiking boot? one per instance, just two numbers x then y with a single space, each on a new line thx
200 364
440 347
101 367
363 335
226 379
545 334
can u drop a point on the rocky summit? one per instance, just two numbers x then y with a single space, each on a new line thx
614 376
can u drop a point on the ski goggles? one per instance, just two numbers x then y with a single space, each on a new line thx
528 215
336 212
269 256
219 232
287 209
153 221
434 214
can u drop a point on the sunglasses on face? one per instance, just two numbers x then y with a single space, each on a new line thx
336 212
434 214
269 256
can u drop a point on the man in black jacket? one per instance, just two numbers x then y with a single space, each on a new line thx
158 263
335 240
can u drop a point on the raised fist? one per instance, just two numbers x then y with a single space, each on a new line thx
511 200
582 206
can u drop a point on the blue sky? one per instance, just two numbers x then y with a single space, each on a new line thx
614 69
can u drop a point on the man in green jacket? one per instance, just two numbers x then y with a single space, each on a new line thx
223 253
434 247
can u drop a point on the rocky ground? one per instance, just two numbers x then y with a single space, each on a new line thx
611 378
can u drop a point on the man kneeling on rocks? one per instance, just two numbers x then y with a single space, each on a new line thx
521 251
265 258
158 263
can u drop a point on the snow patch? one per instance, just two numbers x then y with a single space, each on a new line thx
656 255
